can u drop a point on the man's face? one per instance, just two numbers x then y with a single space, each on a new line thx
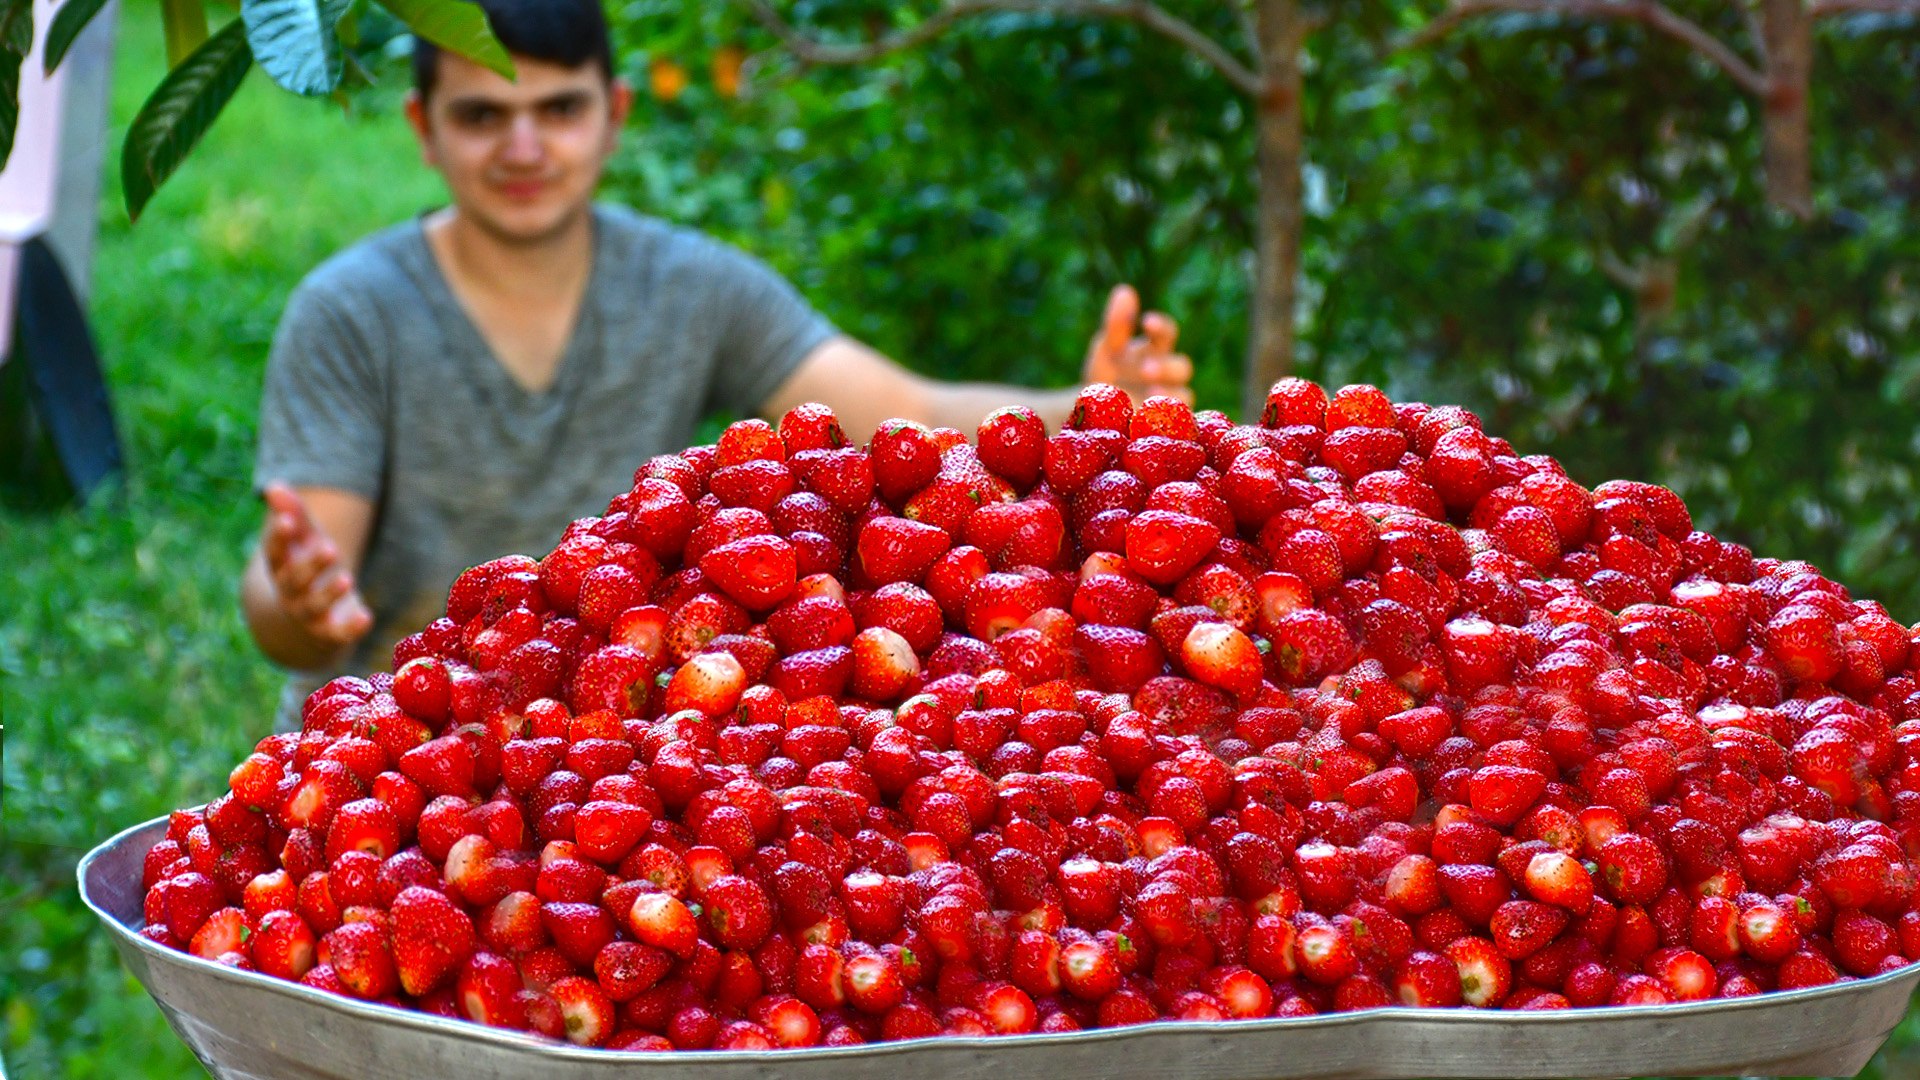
520 158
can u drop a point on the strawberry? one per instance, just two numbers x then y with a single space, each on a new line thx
884 664
811 426
282 945
1521 928
367 825
892 549
905 459
1553 877
710 683
1221 656
1426 980
361 958
1306 646
1486 977
1013 443
1073 458
663 922
616 677
1119 659
757 571
1162 546
432 938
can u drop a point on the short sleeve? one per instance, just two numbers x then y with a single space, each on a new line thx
767 329
321 418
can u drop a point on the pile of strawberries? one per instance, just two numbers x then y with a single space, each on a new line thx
1157 717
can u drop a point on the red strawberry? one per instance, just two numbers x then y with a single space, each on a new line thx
811 426
905 459
432 937
758 571
904 608
615 677
893 549
361 957
1521 928
1428 980
1163 545
1306 646
283 945
1013 443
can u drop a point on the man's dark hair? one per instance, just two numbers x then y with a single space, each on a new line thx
570 33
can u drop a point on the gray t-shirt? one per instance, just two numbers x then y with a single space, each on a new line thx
381 385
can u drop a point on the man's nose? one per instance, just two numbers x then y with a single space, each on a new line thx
523 143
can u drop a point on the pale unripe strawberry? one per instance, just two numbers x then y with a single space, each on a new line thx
884 664
710 683
1219 655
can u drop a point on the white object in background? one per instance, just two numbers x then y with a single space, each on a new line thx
30 187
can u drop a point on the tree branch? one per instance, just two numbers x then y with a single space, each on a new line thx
1654 15
1756 32
1145 13
1250 29
1824 9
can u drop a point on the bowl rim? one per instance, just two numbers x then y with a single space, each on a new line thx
1542 1021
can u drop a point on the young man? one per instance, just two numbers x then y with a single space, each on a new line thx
463 385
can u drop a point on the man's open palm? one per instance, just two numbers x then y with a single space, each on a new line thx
1137 354
316 590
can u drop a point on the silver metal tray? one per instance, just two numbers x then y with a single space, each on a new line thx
243 1025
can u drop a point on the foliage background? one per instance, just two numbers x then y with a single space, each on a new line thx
965 208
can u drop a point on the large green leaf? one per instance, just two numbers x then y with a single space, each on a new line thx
68 22
297 42
457 26
182 108
16 40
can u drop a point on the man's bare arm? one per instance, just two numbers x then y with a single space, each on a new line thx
864 388
300 593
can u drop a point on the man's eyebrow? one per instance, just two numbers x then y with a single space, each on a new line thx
472 102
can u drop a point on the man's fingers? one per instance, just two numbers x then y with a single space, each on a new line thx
1116 326
1161 332
348 619
281 533
303 566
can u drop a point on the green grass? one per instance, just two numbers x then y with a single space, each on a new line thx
127 680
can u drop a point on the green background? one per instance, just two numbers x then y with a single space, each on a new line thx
965 209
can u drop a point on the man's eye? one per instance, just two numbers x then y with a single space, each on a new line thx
478 116
564 109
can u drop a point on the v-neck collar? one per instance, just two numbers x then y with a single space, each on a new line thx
494 375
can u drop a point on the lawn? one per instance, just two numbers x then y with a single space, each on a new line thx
126 677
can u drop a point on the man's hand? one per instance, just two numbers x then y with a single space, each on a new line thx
315 590
1136 354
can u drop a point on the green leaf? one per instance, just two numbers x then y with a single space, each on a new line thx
186 26
456 26
73 17
16 40
296 41
182 108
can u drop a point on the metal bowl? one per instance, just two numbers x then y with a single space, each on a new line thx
243 1024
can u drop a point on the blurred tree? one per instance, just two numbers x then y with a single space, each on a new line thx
1780 79
1272 33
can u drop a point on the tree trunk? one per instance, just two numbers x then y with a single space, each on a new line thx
1785 112
1277 249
